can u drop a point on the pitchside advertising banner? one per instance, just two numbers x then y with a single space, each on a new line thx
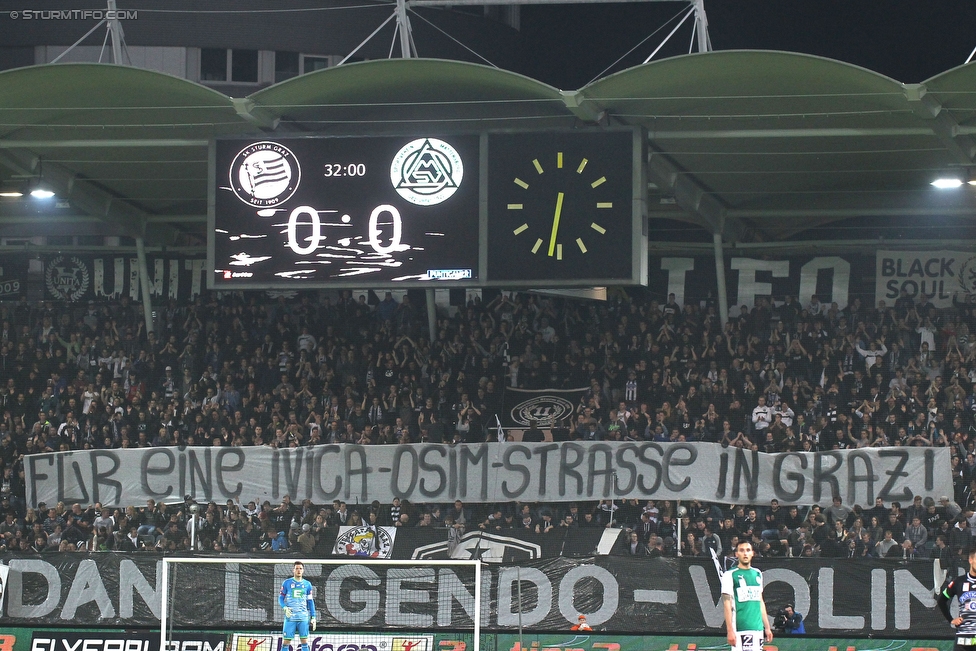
27 639
596 642
114 640
618 594
487 472
23 639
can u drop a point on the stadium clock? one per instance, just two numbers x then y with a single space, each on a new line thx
561 206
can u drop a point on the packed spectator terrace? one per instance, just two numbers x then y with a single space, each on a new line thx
248 371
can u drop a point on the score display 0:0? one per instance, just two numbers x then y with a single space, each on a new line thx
315 223
349 169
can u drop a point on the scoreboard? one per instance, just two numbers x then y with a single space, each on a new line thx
513 209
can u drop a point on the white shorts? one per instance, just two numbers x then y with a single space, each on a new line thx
748 641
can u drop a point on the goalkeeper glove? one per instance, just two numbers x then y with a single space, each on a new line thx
288 612
312 622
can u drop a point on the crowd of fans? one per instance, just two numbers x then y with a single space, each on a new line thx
246 370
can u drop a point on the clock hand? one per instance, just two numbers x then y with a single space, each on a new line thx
555 224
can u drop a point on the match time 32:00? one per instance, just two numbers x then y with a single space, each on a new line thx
344 169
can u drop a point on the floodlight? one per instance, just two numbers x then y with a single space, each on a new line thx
11 189
947 183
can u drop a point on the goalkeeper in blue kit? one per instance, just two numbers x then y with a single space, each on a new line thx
296 599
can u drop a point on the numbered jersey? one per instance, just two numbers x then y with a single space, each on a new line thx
296 595
745 587
964 589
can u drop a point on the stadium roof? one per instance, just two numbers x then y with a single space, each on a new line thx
758 145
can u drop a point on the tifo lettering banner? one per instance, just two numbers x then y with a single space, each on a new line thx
618 594
487 472
837 279
70 277
937 275
545 406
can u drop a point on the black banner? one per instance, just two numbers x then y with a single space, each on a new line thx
501 545
618 594
13 277
545 406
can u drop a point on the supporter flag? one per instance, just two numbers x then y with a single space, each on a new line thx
546 406
365 540
501 432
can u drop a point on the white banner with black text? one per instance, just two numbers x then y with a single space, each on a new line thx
487 472
936 275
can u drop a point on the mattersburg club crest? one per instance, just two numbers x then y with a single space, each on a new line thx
426 171
265 174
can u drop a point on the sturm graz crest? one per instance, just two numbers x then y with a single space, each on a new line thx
265 174
544 409
67 278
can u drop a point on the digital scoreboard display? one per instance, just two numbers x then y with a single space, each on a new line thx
344 211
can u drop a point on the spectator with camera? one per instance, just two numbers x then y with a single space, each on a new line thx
789 621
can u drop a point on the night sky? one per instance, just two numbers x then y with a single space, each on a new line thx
908 40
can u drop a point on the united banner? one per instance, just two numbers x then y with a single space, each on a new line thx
79 277
837 597
520 407
488 472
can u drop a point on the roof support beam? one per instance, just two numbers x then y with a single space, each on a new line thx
114 144
692 196
843 213
830 247
725 134
481 3
583 108
944 126
86 195
256 115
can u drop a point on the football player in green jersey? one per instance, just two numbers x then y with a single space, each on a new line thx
746 620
